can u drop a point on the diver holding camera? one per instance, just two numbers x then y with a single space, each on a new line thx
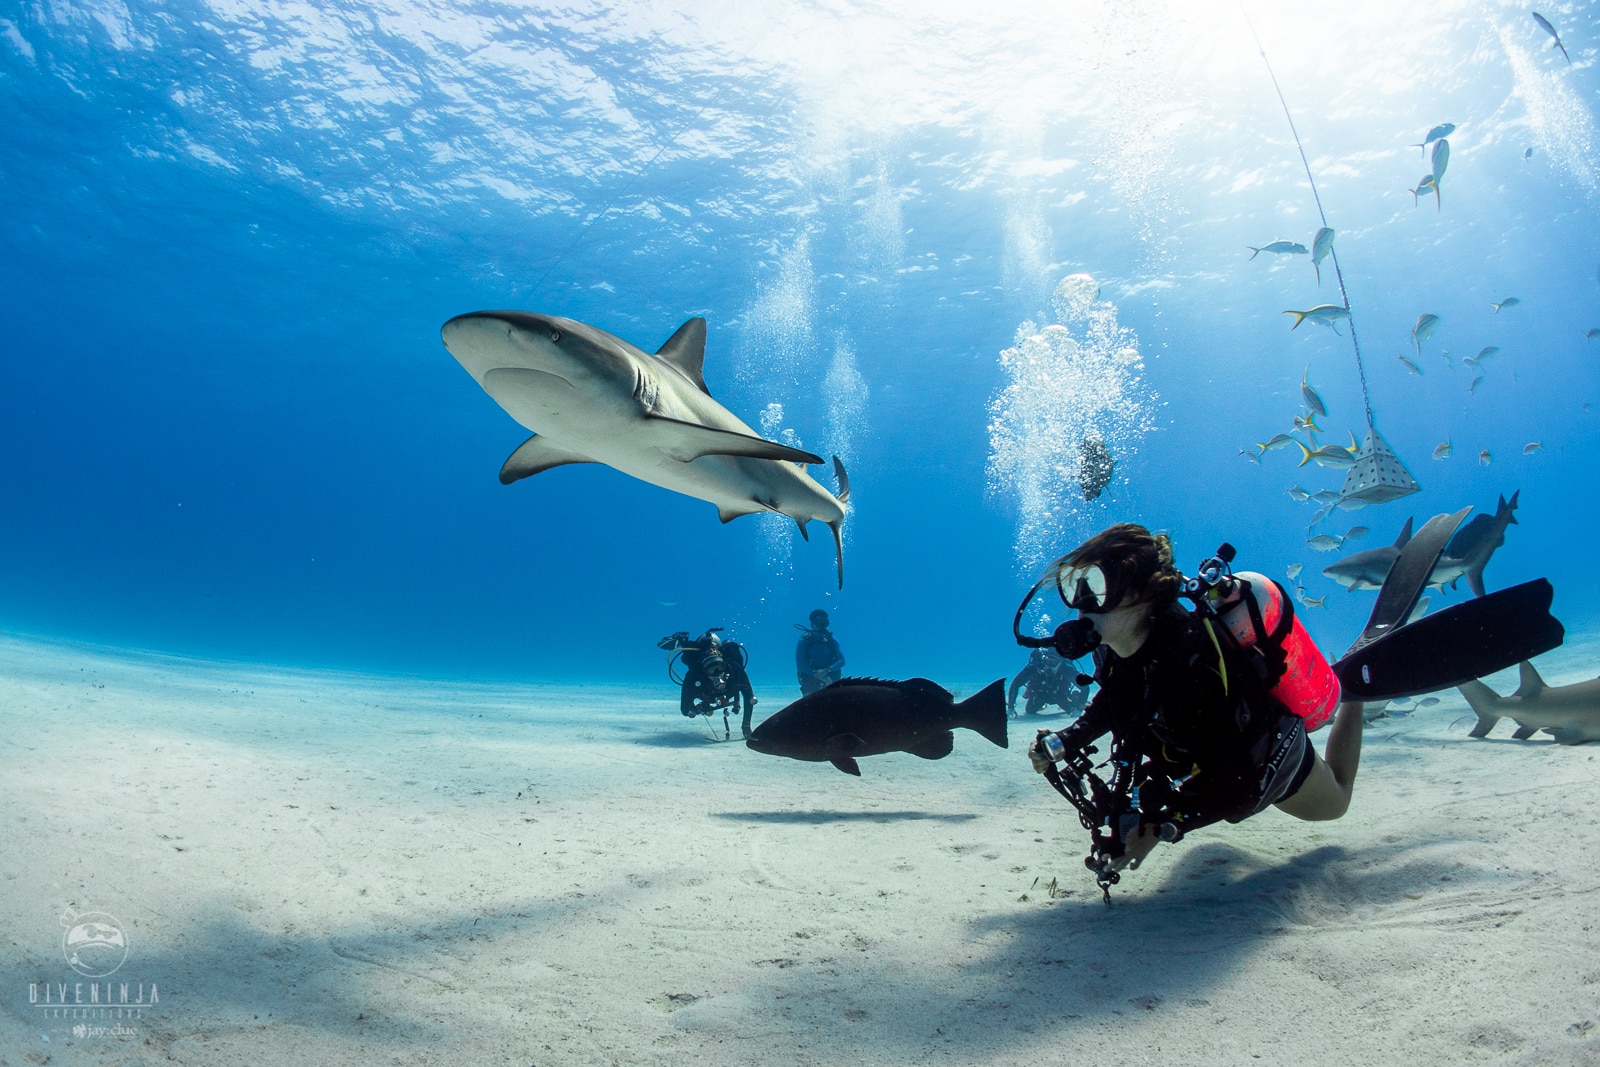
714 676
1208 709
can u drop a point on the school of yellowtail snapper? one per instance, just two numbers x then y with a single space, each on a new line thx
1342 457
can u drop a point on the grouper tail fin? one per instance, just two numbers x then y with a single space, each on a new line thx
985 713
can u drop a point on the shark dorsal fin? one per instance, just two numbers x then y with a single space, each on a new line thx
1405 534
686 350
1531 683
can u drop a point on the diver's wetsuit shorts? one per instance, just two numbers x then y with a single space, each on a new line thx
1290 764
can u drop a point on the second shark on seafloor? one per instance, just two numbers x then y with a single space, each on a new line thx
1569 713
591 397
1466 556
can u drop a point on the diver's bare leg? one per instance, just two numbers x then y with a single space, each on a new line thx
1326 793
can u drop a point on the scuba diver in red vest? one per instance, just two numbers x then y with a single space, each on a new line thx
1209 707
1201 729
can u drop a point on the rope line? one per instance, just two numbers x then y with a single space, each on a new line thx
1333 252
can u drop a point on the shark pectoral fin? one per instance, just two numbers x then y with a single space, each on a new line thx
937 747
685 441
847 765
686 350
534 456
728 512
804 535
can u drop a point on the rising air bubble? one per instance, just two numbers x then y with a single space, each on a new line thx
1067 382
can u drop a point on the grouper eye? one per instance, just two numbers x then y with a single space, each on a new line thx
555 335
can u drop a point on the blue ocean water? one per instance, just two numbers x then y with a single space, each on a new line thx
232 232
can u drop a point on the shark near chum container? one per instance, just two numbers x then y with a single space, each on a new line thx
1308 686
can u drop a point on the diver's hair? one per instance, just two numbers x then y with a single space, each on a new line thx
1137 564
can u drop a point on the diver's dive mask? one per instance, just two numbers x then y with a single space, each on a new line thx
1082 589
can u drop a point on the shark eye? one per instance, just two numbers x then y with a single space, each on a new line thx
555 335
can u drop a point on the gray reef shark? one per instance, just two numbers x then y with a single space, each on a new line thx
1469 550
1569 713
591 397
1368 569
1466 555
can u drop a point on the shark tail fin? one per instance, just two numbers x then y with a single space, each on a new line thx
1483 701
844 481
1531 685
837 526
1511 520
985 713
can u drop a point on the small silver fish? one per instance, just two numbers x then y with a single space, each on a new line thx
1531 447
1309 391
1315 601
1250 454
1469 361
1484 458
1528 154
1325 542
1308 423
1441 159
1297 493
1325 496
1351 503
1442 450
1485 352
1544 24
1294 570
1278 441
1592 334
1356 533
1444 129
1426 324
1414 369
1281 247
1508 302
1425 186
1324 314
1473 388
1332 456
1321 245
1316 520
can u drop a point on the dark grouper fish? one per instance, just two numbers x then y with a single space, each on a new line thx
868 717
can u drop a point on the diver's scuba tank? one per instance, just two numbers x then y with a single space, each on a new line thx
1258 614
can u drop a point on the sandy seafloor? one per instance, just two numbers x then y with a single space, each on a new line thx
338 869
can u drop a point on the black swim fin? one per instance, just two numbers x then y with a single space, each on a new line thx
1464 641
1408 577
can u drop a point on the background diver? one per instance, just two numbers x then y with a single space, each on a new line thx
818 661
1046 679
714 676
